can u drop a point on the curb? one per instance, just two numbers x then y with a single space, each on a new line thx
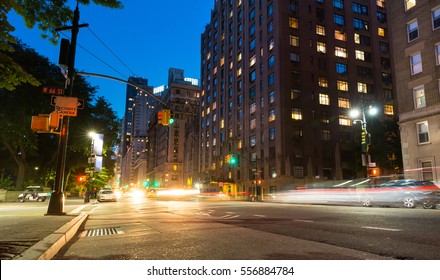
47 248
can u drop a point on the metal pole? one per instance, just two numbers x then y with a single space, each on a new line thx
364 129
56 202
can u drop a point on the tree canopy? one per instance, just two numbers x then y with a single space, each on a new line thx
22 150
47 15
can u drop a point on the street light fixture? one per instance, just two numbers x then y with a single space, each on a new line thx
360 116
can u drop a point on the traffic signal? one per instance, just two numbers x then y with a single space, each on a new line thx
171 117
81 179
233 160
374 172
163 117
228 158
160 117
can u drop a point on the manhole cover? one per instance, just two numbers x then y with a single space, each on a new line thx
101 232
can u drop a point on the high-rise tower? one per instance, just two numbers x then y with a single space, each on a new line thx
278 80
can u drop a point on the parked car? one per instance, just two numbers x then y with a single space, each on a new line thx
33 193
106 195
406 193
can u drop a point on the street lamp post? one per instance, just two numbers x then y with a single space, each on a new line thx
360 116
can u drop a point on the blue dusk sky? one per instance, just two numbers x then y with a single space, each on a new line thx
149 37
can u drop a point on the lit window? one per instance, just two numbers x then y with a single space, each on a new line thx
437 53
343 102
436 18
362 88
381 3
239 72
419 97
413 30
253 60
416 63
381 32
320 47
342 85
324 99
296 114
271 115
360 55
320 30
409 4
357 38
271 44
388 109
322 82
341 52
253 123
294 41
272 97
293 22
344 120
252 107
340 35
423 132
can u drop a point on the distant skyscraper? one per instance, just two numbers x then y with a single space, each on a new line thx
415 35
138 106
278 79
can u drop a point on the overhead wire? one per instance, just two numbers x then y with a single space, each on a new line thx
102 61
112 52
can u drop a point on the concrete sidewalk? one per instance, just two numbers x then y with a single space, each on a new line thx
36 236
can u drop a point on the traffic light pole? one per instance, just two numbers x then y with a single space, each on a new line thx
56 202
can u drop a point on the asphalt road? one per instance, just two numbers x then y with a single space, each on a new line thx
149 229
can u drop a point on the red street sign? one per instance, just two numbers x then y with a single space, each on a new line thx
52 90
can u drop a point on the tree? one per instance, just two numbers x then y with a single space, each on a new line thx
47 15
21 150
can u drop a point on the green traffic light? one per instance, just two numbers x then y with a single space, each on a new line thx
233 160
170 121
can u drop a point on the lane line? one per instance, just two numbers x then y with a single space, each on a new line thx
304 221
385 229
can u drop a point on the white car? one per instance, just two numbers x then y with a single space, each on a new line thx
106 195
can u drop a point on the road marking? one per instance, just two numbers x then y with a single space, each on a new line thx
304 221
261 216
386 229
230 216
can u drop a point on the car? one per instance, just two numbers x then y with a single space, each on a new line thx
33 193
106 195
152 194
407 193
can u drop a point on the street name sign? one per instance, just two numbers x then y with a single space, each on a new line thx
52 90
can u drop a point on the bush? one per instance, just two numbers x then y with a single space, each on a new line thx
7 183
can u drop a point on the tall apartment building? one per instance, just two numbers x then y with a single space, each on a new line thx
278 79
172 150
415 26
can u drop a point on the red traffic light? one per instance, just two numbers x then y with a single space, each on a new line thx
374 172
81 179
